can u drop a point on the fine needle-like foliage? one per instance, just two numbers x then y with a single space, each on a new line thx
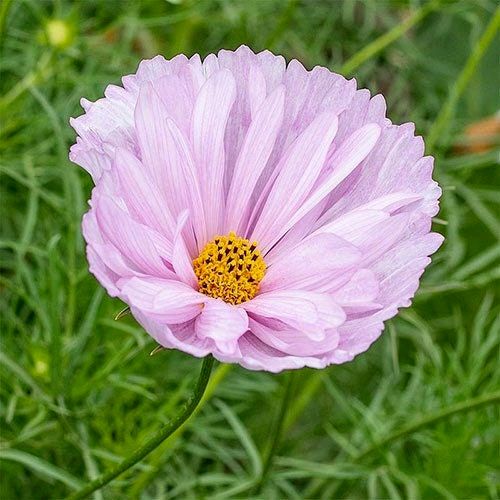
415 417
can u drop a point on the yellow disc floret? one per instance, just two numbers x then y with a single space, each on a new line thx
230 268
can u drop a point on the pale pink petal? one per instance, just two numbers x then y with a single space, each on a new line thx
150 118
181 260
356 336
167 301
291 341
257 90
166 153
388 203
355 223
273 67
310 312
301 167
359 294
174 93
110 264
253 157
91 158
397 284
392 202
103 273
251 91
257 355
210 65
349 155
381 238
107 120
151 69
187 193
406 251
144 201
223 323
295 235
394 165
181 336
147 249
316 260
210 115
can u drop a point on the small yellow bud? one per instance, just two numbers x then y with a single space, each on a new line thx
41 368
59 33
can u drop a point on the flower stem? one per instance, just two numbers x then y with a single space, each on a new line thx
440 126
276 432
380 43
442 414
167 430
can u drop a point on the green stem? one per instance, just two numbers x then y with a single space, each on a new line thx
41 72
386 39
442 414
4 11
276 432
440 125
166 448
167 430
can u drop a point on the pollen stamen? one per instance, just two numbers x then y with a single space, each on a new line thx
230 268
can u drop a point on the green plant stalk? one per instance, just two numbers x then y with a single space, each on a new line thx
4 11
442 414
464 406
441 124
308 389
157 458
42 71
167 430
386 39
276 432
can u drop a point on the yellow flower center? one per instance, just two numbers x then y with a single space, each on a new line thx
230 268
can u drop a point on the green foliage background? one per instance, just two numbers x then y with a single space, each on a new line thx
79 390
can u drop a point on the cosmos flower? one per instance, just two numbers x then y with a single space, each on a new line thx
253 210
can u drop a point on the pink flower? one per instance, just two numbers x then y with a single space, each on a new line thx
253 210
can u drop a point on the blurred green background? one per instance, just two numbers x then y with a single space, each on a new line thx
79 390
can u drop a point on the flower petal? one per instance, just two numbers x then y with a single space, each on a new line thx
257 355
167 301
291 341
299 170
392 202
103 273
315 260
303 310
167 154
389 203
359 293
143 199
209 120
254 154
349 155
147 249
181 261
109 256
223 323
256 90
178 103
187 194
354 223
179 336
150 117
381 237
